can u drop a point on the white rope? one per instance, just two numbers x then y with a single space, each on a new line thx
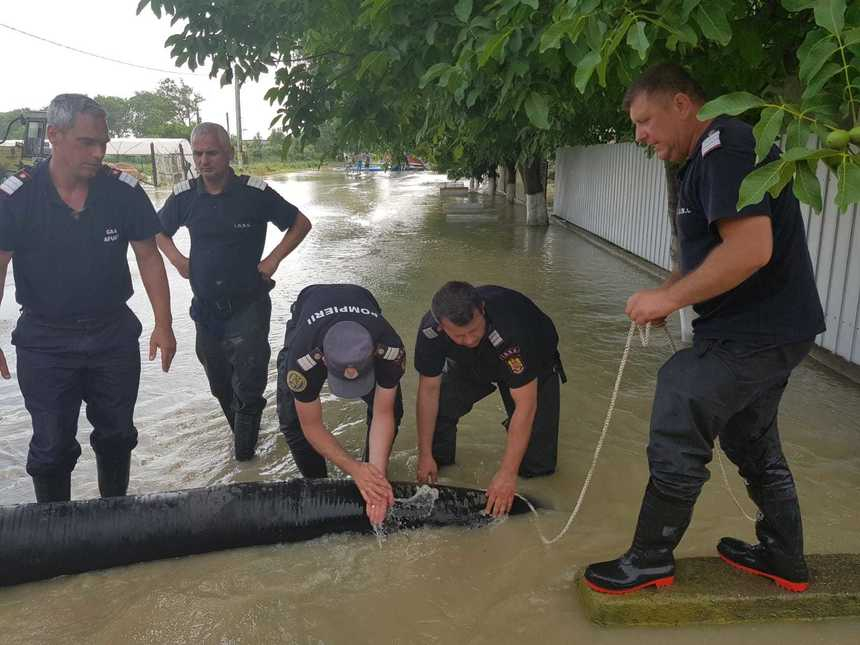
644 337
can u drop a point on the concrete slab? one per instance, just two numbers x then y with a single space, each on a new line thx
706 590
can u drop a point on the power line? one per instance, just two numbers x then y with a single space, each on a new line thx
106 58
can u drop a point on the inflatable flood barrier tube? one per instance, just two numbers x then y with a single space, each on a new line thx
40 541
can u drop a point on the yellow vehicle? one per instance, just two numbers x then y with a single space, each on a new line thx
29 151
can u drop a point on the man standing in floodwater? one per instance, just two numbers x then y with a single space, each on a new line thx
337 333
472 340
227 216
748 274
66 225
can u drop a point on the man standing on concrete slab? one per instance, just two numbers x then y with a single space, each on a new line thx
472 340
66 225
337 333
749 277
227 217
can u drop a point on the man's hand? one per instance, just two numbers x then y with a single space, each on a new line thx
500 494
650 305
268 267
375 490
183 266
4 369
427 471
163 338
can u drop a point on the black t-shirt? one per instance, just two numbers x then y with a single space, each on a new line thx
779 303
520 342
228 232
69 264
317 308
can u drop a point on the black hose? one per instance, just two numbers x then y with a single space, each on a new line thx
40 541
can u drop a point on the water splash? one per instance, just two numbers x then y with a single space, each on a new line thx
407 511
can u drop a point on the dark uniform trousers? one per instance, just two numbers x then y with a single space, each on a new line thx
724 389
462 388
62 363
309 462
236 359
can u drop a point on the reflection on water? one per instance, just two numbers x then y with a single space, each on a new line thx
493 585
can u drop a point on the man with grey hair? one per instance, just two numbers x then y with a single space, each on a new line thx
227 216
68 223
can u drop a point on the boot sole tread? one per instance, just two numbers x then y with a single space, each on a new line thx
660 582
796 587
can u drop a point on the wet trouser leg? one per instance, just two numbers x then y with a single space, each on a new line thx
59 367
309 462
236 363
459 392
542 451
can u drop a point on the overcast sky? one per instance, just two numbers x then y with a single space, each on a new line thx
35 71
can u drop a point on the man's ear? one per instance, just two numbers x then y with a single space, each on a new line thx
684 105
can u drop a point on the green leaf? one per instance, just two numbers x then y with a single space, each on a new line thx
830 14
796 154
537 110
430 34
584 70
534 4
712 19
820 79
798 5
766 130
552 35
796 135
432 73
463 9
493 48
758 182
807 188
814 58
637 39
786 172
731 104
609 48
687 8
848 183
851 37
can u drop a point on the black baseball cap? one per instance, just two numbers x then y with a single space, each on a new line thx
348 353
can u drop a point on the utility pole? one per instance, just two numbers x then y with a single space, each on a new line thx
236 84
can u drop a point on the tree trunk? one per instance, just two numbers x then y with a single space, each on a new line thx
536 214
511 182
491 183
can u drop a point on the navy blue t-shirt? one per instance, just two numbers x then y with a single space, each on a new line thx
317 308
520 342
779 303
228 232
69 264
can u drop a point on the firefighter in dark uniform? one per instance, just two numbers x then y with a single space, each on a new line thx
337 332
227 217
67 224
472 340
748 274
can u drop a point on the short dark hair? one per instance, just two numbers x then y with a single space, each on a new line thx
456 301
664 78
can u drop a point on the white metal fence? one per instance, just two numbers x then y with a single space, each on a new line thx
617 193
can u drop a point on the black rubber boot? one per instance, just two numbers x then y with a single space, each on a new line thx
113 474
227 409
649 561
53 488
245 433
778 555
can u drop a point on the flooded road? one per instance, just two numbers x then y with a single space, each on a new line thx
395 236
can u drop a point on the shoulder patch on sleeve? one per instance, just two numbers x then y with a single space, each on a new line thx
389 353
181 187
306 362
256 182
495 338
711 142
430 333
14 182
122 176
296 381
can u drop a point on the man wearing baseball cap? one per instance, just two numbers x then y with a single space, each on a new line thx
337 333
